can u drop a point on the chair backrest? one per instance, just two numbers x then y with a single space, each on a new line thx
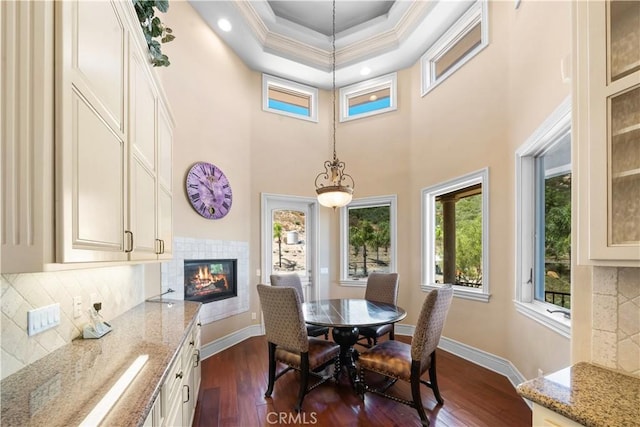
283 319
290 279
382 287
430 323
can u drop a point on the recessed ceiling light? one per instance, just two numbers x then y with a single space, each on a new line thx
224 24
373 98
365 71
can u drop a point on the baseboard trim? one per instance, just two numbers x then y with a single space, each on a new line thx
479 357
230 340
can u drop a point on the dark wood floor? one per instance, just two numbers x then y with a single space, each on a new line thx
234 382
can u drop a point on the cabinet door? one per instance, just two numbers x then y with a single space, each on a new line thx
165 194
142 178
90 143
608 106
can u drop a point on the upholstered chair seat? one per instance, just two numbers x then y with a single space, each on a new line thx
293 280
408 362
321 352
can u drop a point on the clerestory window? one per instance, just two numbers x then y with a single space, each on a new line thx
289 98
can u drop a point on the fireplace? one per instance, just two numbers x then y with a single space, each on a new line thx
207 280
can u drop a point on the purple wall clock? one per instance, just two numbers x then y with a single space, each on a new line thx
209 190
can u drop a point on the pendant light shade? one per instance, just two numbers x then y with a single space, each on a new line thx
333 186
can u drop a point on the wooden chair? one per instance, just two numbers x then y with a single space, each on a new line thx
407 362
293 280
381 287
289 343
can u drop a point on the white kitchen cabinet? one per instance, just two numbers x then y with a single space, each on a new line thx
180 389
91 143
83 110
26 135
543 417
150 215
607 131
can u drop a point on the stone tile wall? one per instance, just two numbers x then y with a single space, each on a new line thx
118 288
616 319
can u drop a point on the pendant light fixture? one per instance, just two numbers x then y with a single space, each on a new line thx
333 186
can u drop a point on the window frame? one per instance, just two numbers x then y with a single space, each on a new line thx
366 202
428 196
477 13
273 81
551 131
388 81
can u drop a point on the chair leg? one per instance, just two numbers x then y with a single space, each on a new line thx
392 333
433 379
272 369
304 380
415 392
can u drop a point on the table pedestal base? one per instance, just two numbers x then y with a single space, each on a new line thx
347 338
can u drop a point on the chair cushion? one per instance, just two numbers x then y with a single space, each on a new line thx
375 331
389 358
320 352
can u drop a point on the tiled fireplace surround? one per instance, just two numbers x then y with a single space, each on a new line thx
192 248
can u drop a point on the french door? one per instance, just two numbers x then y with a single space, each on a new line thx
289 239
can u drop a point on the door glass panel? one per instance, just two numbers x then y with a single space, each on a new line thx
624 37
624 152
289 244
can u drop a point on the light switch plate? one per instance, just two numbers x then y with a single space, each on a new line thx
43 318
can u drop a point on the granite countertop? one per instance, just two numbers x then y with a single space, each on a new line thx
588 394
63 387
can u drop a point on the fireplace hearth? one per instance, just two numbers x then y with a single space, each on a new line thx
207 280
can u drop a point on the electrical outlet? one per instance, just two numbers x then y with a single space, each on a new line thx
77 306
253 316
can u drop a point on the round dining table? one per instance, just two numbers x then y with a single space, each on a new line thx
346 316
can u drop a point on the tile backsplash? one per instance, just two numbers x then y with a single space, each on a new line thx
118 288
616 318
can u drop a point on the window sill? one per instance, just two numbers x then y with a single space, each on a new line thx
538 312
354 283
461 293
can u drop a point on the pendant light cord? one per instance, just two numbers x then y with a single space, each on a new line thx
333 93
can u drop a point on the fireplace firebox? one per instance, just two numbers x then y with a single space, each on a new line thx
207 280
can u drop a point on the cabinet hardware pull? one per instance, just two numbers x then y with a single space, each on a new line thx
162 246
179 375
199 324
130 241
192 342
188 393
197 354
158 246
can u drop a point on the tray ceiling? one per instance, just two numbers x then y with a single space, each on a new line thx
292 39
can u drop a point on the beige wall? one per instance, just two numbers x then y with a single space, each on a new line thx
210 92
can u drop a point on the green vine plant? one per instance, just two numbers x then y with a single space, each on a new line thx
153 29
